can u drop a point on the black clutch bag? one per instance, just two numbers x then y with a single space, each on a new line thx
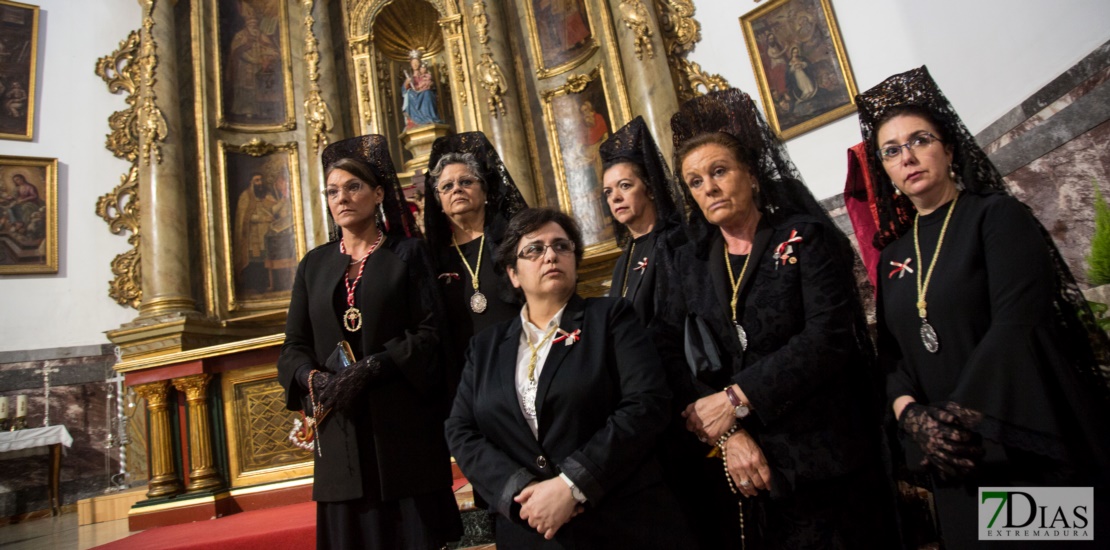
341 358
703 355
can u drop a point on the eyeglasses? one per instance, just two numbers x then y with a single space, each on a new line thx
889 153
535 251
449 186
352 188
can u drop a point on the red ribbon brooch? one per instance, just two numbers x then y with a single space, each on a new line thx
900 268
448 277
785 250
642 265
568 337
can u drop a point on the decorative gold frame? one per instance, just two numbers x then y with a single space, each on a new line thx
29 133
537 49
286 69
575 84
49 244
235 417
256 148
769 107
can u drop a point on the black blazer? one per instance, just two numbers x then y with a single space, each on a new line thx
393 446
601 402
816 414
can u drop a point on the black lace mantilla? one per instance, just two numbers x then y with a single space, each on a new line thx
373 150
633 143
504 199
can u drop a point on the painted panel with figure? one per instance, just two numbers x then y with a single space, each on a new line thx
28 215
255 81
19 30
801 68
561 35
580 122
265 236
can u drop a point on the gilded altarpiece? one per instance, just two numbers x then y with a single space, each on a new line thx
254 70
258 429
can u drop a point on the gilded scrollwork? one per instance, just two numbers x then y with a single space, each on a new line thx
150 122
493 81
364 92
681 34
635 16
460 70
120 207
316 112
121 74
257 148
385 86
481 21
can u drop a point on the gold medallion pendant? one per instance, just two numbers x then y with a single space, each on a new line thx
478 302
352 319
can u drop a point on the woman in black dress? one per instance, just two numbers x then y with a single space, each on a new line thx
382 470
470 201
765 296
558 410
637 186
991 350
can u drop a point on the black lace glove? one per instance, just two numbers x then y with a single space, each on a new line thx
340 391
949 446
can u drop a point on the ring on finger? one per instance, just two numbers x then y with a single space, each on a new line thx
745 483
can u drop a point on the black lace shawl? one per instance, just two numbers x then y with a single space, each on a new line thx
633 143
373 150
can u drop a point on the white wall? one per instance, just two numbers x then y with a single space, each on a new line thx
987 55
72 106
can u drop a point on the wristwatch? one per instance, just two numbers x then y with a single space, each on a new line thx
574 490
740 409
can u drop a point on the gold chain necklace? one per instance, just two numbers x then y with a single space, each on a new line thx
478 300
536 351
628 264
743 336
928 334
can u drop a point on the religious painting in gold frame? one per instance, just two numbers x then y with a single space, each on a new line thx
28 215
262 223
579 118
561 35
258 426
800 65
254 71
19 29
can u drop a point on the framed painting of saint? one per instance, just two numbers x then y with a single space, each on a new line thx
803 74
579 119
561 35
254 72
262 221
19 37
28 215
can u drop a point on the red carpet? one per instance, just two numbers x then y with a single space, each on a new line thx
288 527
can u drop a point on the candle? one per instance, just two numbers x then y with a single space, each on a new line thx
21 406
3 407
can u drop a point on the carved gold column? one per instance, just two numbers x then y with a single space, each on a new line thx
163 474
651 90
494 64
164 249
202 474
320 98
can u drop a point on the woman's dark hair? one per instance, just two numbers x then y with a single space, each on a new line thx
913 110
356 168
468 159
530 220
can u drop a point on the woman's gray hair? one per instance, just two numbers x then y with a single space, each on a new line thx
467 159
